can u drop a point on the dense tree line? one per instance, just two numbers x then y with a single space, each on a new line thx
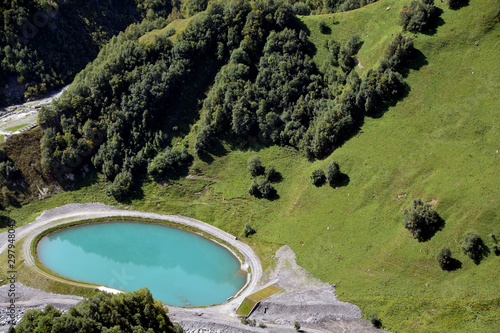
115 111
45 43
119 108
279 96
306 7
130 312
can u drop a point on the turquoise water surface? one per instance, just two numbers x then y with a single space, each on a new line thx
179 268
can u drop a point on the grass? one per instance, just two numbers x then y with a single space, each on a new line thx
178 25
373 23
439 143
15 128
250 301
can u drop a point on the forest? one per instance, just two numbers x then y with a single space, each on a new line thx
45 43
365 140
119 110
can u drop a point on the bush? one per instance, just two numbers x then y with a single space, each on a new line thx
322 26
444 258
262 325
121 186
474 247
422 221
417 15
255 166
318 177
332 173
262 188
296 325
248 230
375 321
169 163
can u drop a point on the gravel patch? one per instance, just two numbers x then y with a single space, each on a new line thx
29 298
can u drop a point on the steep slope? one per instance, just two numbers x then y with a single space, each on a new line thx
438 143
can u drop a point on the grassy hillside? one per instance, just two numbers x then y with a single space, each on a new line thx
439 143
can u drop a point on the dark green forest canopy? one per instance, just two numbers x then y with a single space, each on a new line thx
116 111
130 312
43 44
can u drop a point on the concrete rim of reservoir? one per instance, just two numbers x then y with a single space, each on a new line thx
81 212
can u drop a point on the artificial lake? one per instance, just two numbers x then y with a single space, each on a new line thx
180 268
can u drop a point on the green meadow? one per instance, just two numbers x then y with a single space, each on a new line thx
439 143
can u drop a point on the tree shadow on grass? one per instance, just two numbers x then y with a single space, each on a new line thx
6 221
433 26
343 180
276 177
418 60
214 149
136 194
460 4
481 253
453 265
384 107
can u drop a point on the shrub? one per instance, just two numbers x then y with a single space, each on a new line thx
296 325
417 15
474 247
322 26
375 321
347 53
255 166
422 221
248 230
169 163
244 320
332 173
318 177
262 188
121 186
444 258
262 325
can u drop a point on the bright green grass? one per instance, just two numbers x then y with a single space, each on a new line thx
179 25
250 301
15 128
440 142
2 138
372 23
